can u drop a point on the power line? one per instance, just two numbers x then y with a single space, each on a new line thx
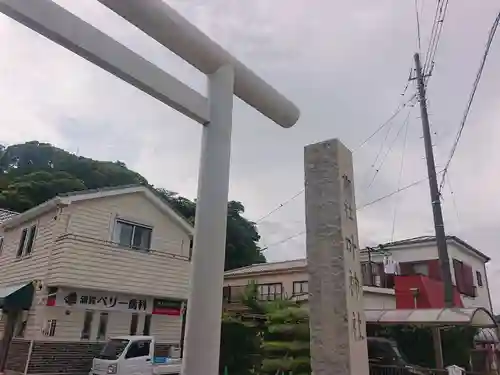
419 43
382 144
398 110
405 124
358 209
410 102
471 98
280 206
401 167
284 240
437 29
393 193
433 31
387 122
454 201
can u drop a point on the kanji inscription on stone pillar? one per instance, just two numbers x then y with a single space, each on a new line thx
337 319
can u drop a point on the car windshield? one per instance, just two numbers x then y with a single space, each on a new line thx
113 349
399 353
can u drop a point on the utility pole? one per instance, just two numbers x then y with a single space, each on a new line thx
433 186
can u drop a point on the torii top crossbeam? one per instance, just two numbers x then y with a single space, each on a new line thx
169 28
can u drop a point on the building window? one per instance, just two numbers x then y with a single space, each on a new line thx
87 325
420 268
270 291
31 240
133 235
300 287
479 278
464 278
51 328
146 331
1 244
103 326
133 324
20 248
27 240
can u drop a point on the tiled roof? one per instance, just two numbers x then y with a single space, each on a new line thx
100 190
6 214
268 267
422 239
93 193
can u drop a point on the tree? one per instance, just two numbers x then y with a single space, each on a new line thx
286 339
34 172
241 236
274 337
241 336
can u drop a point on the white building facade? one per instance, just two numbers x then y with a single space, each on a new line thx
99 264
418 264
419 257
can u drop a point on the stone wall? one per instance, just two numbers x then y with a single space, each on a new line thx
63 357
18 354
52 357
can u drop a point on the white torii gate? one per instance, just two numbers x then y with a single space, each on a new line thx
226 76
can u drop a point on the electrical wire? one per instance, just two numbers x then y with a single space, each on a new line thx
284 240
437 30
405 124
433 32
454 201
471 98
302 232
419 42
280 206
388 121
379 152
410 101
401 167
393 193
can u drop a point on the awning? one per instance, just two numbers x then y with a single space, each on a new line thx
475 317
17 297
486 336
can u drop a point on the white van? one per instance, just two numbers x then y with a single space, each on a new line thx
133 355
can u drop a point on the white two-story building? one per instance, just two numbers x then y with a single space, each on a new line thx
417 285
85 266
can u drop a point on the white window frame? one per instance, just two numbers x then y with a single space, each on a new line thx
116 234
269 291
28 229
103 323
300 284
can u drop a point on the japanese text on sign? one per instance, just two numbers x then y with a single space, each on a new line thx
102 301
352 263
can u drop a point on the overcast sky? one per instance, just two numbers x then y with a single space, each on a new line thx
344 63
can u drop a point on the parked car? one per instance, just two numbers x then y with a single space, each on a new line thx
133 355
385 358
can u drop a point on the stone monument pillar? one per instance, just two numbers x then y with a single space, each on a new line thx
337 319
